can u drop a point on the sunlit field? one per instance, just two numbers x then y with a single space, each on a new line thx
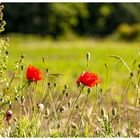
69 57
76 87
65 61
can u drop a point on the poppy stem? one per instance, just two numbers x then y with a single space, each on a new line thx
83 109
53 105
126 91
73 108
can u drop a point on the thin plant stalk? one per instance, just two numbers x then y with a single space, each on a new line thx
83 109
53 105
73 108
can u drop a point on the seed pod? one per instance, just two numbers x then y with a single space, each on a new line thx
58 125
22 67
82 122
54 84
78 84
62 109
73 125
66 86
47 70
139 101
69 104
88 90
114 111
102 112
106 65
67 94
63 91
6 52
9 115
47 112
88 56
40 107
49 84
131 74
77 107
22 56
43 59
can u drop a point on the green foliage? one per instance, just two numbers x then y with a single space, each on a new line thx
26 128
128 32
66 19
2 22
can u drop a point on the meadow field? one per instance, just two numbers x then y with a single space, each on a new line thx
69 57
57 79
117 91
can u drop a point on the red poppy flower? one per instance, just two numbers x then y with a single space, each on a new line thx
33 73
88 79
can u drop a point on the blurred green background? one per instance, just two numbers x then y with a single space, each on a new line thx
67 20
64 32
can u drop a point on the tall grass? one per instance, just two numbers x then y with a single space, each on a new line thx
58 107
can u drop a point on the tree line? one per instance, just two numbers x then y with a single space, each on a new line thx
83 19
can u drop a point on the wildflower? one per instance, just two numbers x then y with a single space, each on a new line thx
33 73
88 79
9 115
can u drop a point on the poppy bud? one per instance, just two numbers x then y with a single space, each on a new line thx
49 84
139 101
63 91
7 39
9 115
88 56
43 59
82 122
66 86
62 109
106 65
67 94
58 125
114 111
77 107
54 84
73 125
102 112
78 84
69 103
22 56
22 67
88 90
6 52
47 112
40 107
47 70
131 74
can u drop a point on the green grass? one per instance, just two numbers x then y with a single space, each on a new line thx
68 57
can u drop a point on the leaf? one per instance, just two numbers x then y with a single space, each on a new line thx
56 74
